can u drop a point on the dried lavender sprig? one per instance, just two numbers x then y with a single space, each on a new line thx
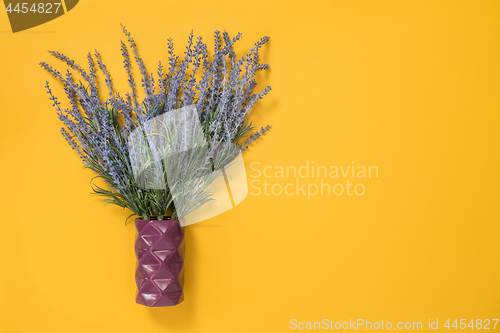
131 81
252 138
104 69
71 63
146 83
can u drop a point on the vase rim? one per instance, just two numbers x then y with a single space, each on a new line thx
150 220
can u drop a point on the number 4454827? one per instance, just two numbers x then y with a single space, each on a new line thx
477 324
40 8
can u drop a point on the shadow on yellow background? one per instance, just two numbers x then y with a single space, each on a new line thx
411 87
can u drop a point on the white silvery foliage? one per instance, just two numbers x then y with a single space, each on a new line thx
171 150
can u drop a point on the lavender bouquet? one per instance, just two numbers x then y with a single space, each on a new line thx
220 92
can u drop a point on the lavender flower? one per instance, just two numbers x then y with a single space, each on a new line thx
221 90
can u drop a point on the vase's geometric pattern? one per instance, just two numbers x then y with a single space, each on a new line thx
160 273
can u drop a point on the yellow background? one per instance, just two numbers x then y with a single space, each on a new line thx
409 86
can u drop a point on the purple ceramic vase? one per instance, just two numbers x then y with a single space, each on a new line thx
160 272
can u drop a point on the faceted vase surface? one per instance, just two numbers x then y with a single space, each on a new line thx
159 276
